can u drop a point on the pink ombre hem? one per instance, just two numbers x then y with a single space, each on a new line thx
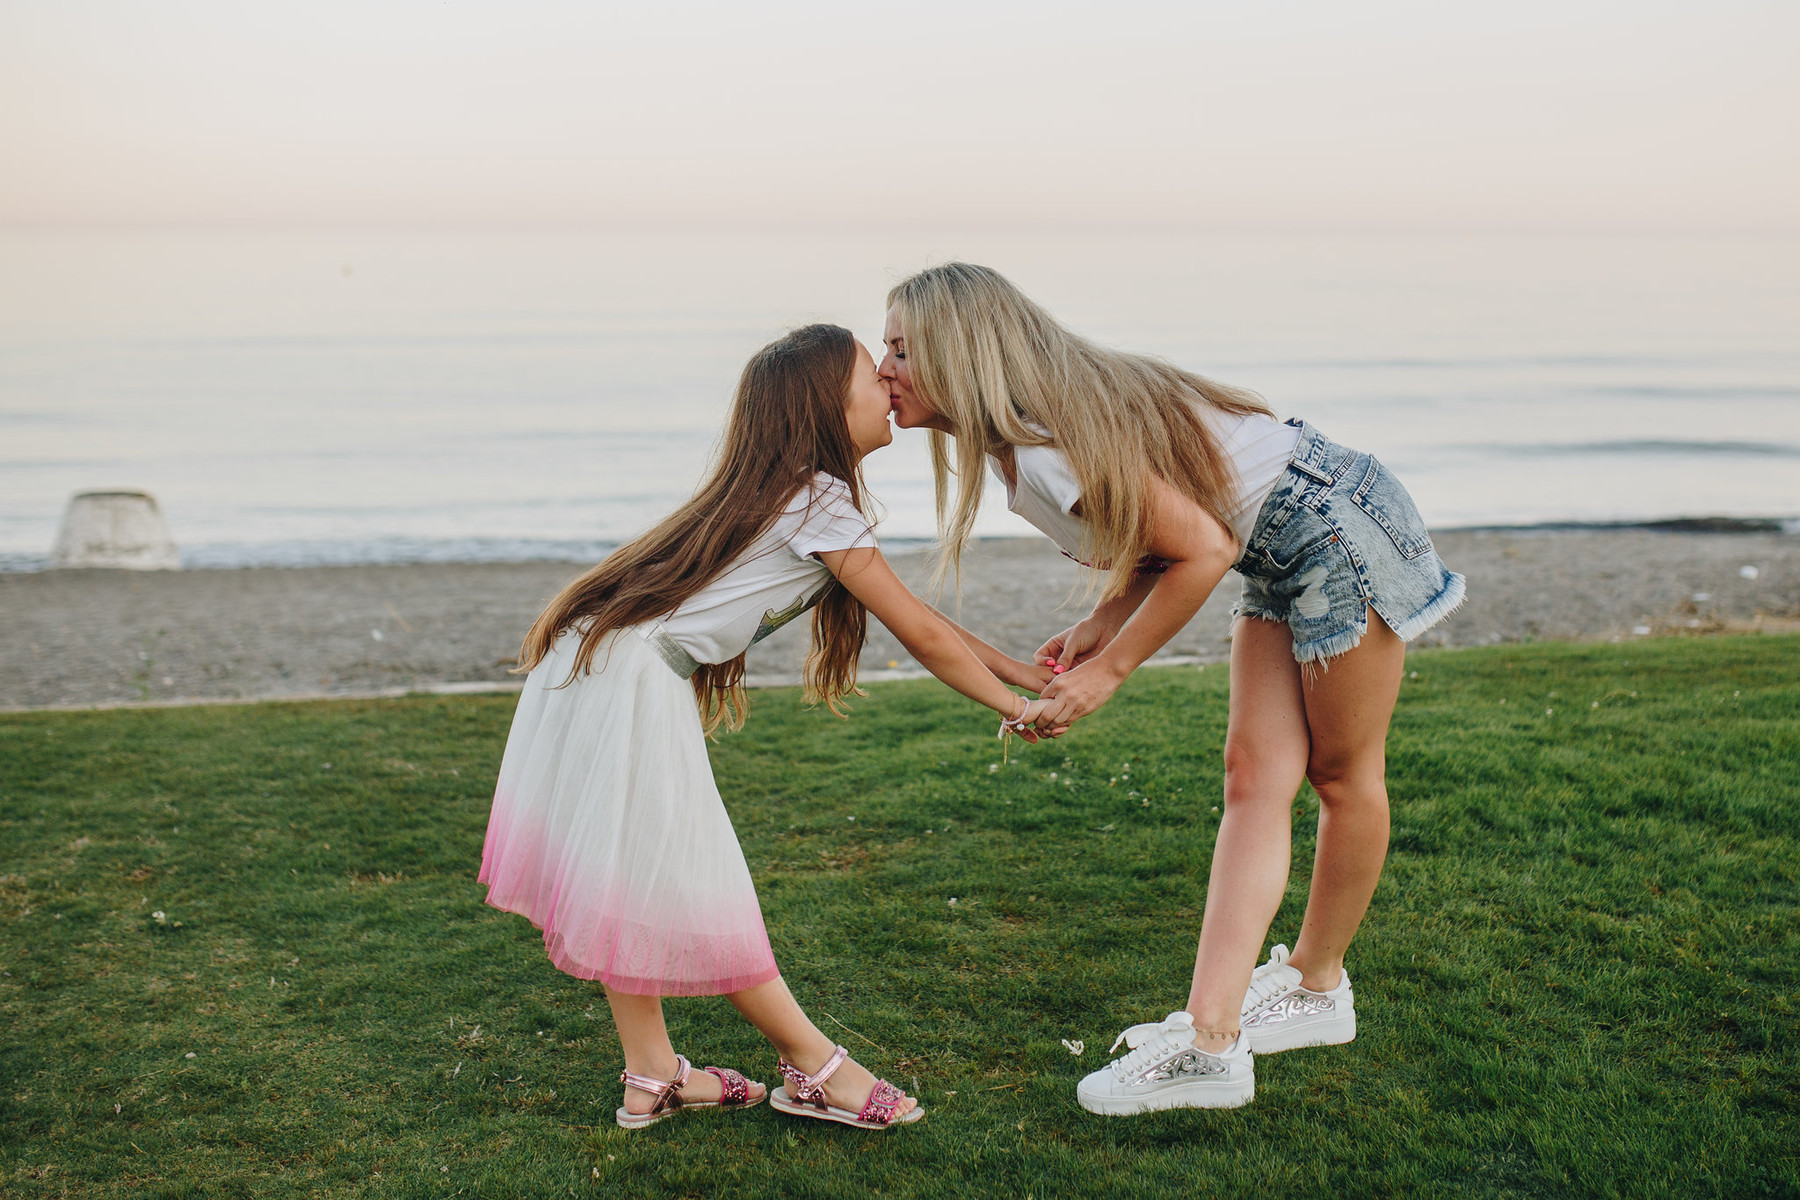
608 834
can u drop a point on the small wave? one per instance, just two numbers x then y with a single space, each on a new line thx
392 552
1502 362
389 552
1783 525
1642 446
1672 392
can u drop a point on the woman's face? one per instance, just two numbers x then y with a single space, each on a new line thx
867 406
910 412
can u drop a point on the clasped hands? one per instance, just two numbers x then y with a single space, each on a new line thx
1070 675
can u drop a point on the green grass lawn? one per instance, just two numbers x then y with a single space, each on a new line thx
1578 978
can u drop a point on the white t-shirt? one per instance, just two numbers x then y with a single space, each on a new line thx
1259 447
775 579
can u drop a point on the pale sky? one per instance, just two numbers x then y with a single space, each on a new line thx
1260 114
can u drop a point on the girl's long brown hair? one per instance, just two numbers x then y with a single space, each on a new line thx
787 425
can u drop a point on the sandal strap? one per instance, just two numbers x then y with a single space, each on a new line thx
733 1087
883 1102
810 1089
665 1090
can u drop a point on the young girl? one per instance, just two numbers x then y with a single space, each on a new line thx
607 830
1166 480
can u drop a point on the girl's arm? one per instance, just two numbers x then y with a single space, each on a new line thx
1199 551
927 636
1032 676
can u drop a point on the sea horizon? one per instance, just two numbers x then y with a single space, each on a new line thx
333 395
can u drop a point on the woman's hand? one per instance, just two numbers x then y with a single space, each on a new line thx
1080 691
1076 644
1045 719
1129 628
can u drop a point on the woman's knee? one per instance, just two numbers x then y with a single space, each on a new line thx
1258 780
1348 785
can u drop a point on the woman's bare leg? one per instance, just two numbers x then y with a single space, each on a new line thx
1348 708
1266 747
1333 723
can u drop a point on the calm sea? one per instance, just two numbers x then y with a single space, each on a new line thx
382 396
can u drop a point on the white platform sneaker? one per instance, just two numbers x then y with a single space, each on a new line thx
1279 1014
1164 1069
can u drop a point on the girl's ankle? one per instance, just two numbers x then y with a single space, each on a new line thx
653 1066
809 1059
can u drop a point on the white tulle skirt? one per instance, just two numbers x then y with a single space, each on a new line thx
608 832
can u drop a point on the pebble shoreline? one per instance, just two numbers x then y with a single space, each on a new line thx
81 639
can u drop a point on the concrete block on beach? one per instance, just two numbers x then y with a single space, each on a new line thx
122 530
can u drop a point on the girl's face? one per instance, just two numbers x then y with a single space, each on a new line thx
910 412
867 406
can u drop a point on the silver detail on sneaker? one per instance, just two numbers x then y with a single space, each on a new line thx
1299 1003
1189 1062
1269 980
1164 1069
1279 1014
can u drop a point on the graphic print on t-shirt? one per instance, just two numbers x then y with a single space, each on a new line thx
772 620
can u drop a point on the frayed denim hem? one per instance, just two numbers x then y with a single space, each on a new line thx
1244 609
1318 653
1440 606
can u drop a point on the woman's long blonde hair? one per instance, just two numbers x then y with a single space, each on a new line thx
787 425
1002 370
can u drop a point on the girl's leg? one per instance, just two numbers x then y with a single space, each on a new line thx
1347 709
645 1040
1266 747
774 1011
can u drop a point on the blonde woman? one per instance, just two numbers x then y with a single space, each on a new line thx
1165 480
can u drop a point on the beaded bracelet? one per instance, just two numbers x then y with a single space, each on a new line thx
1010 726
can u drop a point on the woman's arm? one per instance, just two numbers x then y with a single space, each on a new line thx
1087 637
1199 551
927 636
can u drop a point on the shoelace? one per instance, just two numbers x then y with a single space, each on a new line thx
1265 982
1145 1054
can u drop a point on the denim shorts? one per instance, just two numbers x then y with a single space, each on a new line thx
1338 536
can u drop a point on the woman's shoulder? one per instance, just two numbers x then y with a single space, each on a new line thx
1045 470
1043 461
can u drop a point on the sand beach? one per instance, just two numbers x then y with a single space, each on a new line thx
76 639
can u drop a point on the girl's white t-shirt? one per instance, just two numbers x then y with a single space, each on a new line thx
775 579
1258 445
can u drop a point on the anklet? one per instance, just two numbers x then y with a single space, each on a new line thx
1219 1032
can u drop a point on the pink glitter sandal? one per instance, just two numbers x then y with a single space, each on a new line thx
734 1092
804 1096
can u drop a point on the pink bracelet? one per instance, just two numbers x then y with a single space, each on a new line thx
1012 725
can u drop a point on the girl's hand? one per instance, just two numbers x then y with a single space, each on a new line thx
1033 677
1023 722
1082 690
1076 644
